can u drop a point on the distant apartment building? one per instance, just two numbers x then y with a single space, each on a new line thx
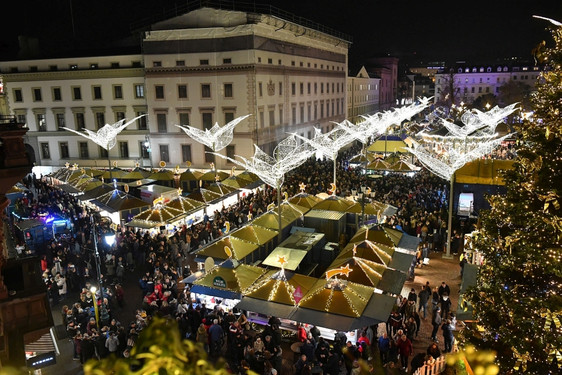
362 95
204 67
470 82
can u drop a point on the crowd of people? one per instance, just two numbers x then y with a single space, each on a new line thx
69 267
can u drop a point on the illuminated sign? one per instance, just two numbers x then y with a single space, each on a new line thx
42 360
219 282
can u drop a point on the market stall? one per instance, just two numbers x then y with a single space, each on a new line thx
260 236
225 283
228 247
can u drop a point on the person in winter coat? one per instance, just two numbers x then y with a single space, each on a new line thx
203 337
61 284
405 350
447 336
435 322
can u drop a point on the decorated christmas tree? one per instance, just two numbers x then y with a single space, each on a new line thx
518 297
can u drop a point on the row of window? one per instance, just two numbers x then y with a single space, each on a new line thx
54 67
79 120
228 90
498 69
84 152
76 92
228 60
473 90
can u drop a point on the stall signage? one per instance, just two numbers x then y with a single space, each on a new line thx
219 282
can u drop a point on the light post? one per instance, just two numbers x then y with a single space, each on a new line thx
93 289
362 197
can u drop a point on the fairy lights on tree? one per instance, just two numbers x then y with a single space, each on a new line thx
517 298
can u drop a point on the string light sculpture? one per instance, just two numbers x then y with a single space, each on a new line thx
444 155
330 143
217 137
106 136
287 155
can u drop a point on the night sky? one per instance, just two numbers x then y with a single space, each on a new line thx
430 30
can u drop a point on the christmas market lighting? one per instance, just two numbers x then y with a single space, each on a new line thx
217 137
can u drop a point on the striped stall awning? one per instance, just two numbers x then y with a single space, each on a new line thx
44 344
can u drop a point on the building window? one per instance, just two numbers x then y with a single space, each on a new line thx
103 153
262 119
207 120
228 116
94 66
182 91
260 89
293 88
41 122
302 113
76 93
63 150
480 90
144 150
97 92
301 88
270 61
209 158
118 92
180 62
315 88
37 95
228 90
321 87
79 118
164 153
184 118
280 115
205 90
204 62
45 153
83 149
139 91
227 61
159 91
294 114
308 88
280 88
141 122
124 150
271 117
119 116
18 97
157 64
57 95
100 119
162 123
230 151
59 118
186 153
114 65
22 119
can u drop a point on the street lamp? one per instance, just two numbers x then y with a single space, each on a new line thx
98 268
93 289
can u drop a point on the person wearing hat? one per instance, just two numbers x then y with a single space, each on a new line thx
435 322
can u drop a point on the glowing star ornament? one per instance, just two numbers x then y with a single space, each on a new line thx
217 137
338 271
106 136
